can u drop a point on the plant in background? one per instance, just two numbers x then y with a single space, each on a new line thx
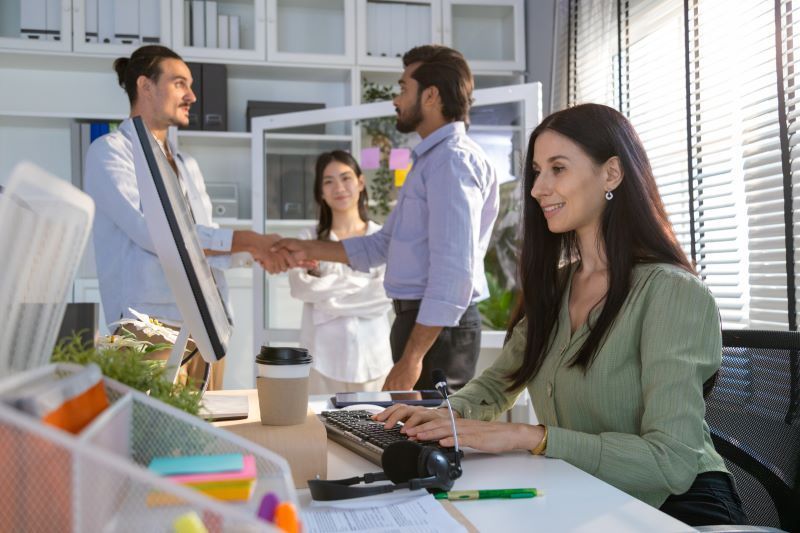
383 134
500 263
122 358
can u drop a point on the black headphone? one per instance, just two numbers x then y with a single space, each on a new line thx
408 464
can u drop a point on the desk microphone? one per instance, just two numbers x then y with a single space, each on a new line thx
440 384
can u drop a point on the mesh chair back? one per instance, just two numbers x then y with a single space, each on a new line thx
754 416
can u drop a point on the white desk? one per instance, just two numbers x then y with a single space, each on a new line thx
573 501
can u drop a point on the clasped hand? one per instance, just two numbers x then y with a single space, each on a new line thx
275 261
424 424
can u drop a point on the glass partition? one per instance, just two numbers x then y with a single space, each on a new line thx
283 177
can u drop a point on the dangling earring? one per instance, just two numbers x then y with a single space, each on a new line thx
609 195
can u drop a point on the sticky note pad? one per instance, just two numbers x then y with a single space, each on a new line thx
399 158
248 471
400 176
370 158
197 464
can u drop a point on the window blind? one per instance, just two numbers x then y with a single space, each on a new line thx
594 50
712 92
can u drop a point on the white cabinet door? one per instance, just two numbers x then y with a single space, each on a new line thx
491 35
118 27
43 25
386 30
311 31
241 24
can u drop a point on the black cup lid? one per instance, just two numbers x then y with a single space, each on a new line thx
283 355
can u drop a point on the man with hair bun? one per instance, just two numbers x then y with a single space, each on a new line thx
159 87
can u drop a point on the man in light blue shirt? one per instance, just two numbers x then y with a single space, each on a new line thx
434 240
158 84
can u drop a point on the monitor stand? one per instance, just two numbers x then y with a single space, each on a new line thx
176 356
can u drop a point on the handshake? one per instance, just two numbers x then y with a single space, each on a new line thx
275 254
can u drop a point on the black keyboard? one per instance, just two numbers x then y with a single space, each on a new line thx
356 431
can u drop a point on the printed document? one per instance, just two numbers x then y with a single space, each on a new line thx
409 512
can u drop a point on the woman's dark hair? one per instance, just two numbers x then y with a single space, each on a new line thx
635 229
447 70
145 61
325 213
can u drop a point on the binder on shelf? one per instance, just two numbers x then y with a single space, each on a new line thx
90 9
372 29
188 37
126 22
384 30
397 29
211 24
32 19
196 110
198 23
233 32
150 21
105 21
223 25
53 18
215 97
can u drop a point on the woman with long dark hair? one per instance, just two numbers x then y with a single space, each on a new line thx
615 335
345 321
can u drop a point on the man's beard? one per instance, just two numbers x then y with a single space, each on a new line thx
410 124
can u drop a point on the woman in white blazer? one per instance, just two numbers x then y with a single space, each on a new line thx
345 322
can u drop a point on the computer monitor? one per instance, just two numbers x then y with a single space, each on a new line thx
172 229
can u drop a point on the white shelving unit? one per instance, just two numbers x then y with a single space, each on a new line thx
312 51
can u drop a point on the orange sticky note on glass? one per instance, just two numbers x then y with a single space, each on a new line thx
400 176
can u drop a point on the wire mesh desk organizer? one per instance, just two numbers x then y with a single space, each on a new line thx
95 476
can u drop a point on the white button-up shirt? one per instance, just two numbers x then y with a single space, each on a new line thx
128 269
345 322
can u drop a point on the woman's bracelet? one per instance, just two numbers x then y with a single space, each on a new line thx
542 446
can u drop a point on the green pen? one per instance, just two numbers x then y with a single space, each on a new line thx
486 494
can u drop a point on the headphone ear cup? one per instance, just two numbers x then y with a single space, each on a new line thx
437 465
401 461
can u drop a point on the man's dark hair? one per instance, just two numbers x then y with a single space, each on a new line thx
447 70
145 61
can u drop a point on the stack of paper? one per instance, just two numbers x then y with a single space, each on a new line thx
229 477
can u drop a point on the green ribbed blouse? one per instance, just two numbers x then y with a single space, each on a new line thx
635 418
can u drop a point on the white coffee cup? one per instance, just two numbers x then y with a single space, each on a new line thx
282 383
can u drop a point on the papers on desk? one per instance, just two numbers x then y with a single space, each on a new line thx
409 512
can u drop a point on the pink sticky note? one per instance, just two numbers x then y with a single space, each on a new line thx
370 158
399 158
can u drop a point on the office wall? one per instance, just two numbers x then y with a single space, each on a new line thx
539 29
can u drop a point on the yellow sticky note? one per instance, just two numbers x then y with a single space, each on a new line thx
400 176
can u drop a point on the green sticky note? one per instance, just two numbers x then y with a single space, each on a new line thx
197 464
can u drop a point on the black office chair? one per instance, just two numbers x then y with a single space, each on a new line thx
753 411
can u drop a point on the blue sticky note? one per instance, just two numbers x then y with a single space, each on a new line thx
197 464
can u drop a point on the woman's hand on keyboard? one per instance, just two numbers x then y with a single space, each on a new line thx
410 415
495 437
